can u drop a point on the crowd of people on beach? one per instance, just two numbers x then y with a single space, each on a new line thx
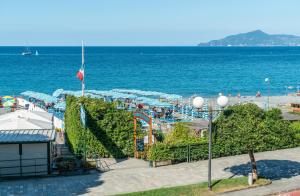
165 113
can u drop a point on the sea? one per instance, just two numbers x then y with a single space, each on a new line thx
186 71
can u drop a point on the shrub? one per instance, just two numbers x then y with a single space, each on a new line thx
66 164
109 131
238 130
179 145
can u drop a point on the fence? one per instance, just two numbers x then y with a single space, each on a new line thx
24 167
189 153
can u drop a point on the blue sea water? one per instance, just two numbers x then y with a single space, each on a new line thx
185 71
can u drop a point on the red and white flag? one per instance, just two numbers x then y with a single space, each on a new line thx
80 74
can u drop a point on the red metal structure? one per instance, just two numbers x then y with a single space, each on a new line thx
148 119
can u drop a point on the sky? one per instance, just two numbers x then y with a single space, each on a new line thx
140 22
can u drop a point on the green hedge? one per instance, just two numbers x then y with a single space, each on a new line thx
199 151
228 139
109 131
178 152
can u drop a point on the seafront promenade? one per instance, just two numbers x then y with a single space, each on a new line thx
135 175
131 175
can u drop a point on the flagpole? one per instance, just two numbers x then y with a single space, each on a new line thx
82 63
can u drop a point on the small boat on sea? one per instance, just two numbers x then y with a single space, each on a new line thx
36 53
26 52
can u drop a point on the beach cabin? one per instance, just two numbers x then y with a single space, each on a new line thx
26 143
25 152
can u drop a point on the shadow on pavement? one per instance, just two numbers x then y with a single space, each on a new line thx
271 169
58 185
84 184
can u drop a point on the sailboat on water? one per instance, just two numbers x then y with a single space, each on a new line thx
26 52
36 53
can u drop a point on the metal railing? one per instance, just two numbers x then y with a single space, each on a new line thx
188 153
19 167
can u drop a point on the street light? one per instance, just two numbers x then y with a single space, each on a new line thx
198 102
267 80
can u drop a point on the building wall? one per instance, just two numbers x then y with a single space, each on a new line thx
34 159
9 157
24 159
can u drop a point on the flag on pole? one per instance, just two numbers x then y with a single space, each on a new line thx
80 74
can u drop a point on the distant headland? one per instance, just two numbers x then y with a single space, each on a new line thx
255 38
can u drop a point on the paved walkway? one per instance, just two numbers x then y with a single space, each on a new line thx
131 175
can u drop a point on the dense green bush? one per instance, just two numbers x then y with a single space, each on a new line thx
178 152
238 129
295 126
181 134
178 146
109 131
243 128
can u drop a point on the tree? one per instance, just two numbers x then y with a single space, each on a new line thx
181 133
248 128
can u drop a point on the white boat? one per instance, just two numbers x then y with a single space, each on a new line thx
27 52
36 53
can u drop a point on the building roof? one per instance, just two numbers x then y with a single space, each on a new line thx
24 119
290 117
198 124
26 136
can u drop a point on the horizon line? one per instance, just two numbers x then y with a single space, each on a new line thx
98 45
112 46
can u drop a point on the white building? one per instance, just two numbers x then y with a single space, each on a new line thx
26 143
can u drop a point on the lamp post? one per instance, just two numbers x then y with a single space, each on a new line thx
198 103
267 80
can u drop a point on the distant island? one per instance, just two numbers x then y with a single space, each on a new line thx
255 38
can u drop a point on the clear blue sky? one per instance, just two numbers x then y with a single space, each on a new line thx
140 22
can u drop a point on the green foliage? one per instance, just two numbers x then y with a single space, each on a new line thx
159 135
178 152
109 131
244 128
239 126
66 164
295 126
177 145
239 129
180 134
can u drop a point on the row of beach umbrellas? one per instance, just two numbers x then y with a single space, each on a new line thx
151 98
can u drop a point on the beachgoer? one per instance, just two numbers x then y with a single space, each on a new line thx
258 94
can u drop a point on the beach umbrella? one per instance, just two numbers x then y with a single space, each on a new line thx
8 103
7 97
58 92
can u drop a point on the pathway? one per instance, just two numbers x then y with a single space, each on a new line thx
283 166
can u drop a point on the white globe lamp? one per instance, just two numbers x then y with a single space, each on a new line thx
198 102
222 101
